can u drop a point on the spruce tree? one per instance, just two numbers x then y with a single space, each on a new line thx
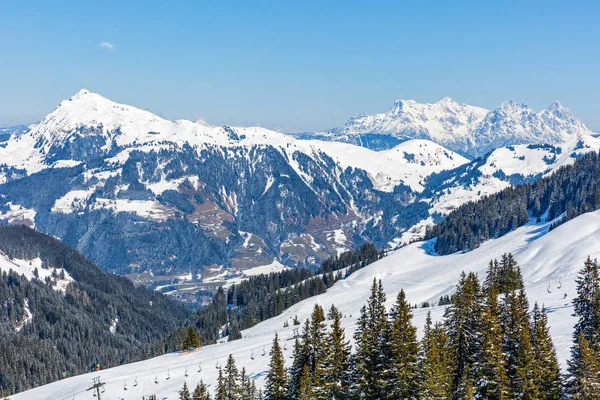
371 370
232 387
463 317
276 381
587 302
201 392
491 381
191 339
404 350
547 370
295 370
305 391
584 382
435 362
336 363
221 392
234 331
184 393
247 388
517 345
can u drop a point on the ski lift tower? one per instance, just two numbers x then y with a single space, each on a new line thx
96 385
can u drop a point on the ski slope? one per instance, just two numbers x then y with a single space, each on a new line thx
549 261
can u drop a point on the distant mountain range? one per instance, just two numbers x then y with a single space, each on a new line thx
185 202
468 130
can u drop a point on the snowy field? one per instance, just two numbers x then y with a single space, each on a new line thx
549 261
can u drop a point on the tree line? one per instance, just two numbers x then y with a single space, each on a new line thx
490 345
570 191
261 297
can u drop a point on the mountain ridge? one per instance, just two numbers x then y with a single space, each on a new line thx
468 130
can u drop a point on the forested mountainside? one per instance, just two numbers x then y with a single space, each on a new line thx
568 192
136 193
243 305
59 313
468 130
550 264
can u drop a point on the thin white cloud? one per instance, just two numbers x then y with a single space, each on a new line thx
107 46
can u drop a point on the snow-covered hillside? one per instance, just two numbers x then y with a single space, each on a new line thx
550 262
500 169
96 157
460 127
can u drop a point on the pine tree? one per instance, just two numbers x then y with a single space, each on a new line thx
547 371
492 278
295 370
184 393
276 381
587 302
587 330
336 363
201 392
585 371
247 388
232 387
463 317
404 350
371 373
234 331
305 391
221 392
490 374
435 363
517 345
191 339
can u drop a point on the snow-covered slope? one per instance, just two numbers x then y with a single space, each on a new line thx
112 127
96 157
498 170
460 127
27 268
550 262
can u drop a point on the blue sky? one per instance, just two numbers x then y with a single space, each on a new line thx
297 65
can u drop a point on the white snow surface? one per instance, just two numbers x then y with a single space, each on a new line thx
467 128
26 268
525 160
88 113
548 260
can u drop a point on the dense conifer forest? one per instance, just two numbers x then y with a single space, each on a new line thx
261 297
70 332
490 345
570 191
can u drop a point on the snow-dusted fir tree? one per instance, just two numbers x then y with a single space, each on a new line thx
584 365
586 304
221 392
462 320
336 363
435 362
231 376
295 370
201 392
404 351
584 382
517 345
276 381
305 385
371 368
184 393
489 369
247 386
547 371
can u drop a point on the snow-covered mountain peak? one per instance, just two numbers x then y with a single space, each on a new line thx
460 127
81 93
